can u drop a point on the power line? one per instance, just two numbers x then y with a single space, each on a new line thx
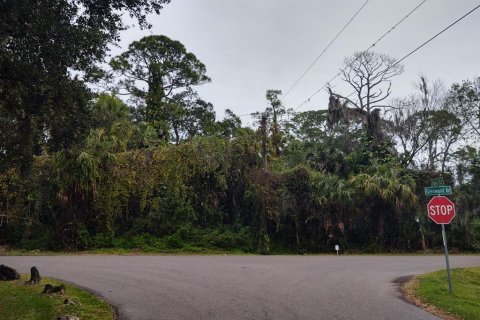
325 49
432 38
396 25
391 29
371 46
316 92
435 36
246 114
403 58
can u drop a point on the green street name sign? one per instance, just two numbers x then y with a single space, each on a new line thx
438 191
438 182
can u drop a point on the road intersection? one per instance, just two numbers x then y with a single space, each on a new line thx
245 287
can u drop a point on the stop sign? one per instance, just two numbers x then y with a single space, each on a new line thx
441 210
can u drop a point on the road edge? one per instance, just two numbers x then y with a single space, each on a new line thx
116 309
407 286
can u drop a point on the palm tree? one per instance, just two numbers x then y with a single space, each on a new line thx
383 190
332 195
80 176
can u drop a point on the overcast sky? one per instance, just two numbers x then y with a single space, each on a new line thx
250 46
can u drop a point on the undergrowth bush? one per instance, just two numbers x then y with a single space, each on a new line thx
189 239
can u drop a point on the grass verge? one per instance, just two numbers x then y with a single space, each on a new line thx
205 251
430 291
127 252
26 302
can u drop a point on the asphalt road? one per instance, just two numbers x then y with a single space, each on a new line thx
246 287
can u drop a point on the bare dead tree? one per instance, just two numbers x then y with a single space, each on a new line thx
444 124
431 93
413 120
410 127
424 126
432 96
370 75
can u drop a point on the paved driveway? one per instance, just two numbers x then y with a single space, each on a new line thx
246 287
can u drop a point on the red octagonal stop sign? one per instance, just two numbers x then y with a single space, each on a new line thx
441 210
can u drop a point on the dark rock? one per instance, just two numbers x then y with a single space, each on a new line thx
48 289
67 317
7 273
34 276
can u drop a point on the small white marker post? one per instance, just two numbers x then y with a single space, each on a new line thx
337 248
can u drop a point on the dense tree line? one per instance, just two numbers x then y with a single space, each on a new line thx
146 164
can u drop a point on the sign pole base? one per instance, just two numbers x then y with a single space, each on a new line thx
444 236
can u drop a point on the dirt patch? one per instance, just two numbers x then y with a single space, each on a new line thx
408 286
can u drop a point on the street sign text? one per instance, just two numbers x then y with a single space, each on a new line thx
441 210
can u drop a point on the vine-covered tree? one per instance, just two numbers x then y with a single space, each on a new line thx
156 70
48 49
229 126
189 116
81 170
277 110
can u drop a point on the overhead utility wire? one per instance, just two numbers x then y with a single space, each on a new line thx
391 29
432 38
396 25
404 57
368 49
325 49
320 55
435 36
246 114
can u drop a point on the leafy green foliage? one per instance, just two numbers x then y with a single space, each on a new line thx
210 193
81 170
159 73
49 50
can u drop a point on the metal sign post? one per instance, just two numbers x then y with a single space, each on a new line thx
441 210
444 235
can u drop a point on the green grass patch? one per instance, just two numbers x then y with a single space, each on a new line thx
26 302
432 288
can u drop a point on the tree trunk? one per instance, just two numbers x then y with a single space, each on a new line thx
297 233
423 243
381 224
431 155
264 141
